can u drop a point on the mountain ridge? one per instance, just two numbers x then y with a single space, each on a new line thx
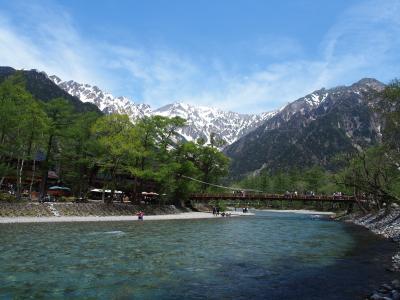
202 121
39 85
311 130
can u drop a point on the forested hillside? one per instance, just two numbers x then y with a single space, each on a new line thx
42 88
39 133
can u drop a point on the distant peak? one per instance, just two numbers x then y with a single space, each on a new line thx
183 105
178 103
55 79
370 82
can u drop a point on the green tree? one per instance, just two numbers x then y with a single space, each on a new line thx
114 135
212 164
155 138
315 178
23 124
77 160
372 176
60 118
389 107
174 175
282 183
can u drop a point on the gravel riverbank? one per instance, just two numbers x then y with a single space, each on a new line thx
176 216
92 208
301 211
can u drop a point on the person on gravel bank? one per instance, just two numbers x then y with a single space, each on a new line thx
140 215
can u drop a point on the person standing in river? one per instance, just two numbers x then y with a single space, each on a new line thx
140 215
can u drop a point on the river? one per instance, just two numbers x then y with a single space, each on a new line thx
269 256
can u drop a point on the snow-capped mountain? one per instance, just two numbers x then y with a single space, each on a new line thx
201 121
106 102
320 101
312 130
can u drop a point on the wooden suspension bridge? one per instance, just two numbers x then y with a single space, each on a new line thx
248 196
271 197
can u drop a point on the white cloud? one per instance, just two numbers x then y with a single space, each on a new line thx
363 42
356 46
53 46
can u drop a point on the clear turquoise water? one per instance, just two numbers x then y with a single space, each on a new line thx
270 256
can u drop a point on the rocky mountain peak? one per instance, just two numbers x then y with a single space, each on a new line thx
201 120
229 126
369 83
55 79
311 130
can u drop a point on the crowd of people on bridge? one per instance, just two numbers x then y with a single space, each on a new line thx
291 194
239 193
310 194
337 194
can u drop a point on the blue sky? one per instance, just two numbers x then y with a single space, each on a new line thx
245 56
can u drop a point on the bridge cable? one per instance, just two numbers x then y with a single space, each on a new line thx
221 186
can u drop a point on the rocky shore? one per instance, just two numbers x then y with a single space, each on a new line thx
385 223
68 209
33 212
175 216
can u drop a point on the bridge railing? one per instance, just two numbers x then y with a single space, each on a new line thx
245 196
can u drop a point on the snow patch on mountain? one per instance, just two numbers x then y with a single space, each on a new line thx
106 102
322 99
201 121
